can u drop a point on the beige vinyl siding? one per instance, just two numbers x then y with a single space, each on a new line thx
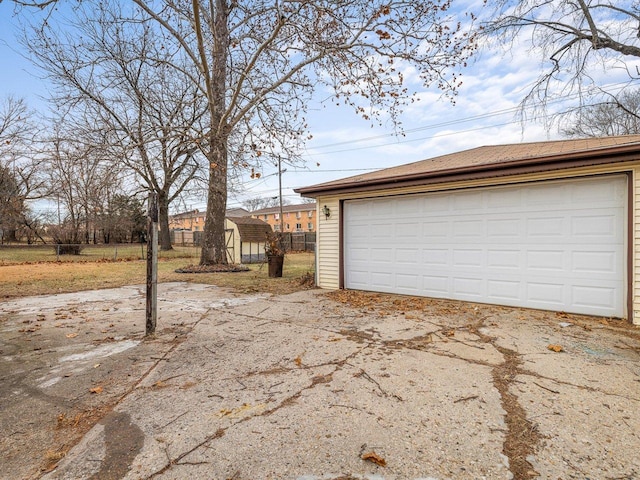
328 243
328 255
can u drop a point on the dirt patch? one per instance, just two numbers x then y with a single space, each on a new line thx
218 268
522 437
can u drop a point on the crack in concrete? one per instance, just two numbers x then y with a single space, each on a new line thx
521 437
288 401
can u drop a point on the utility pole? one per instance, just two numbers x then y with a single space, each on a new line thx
280 193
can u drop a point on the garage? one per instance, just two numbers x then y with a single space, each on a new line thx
549 245
549 225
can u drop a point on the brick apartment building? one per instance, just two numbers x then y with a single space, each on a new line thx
296 218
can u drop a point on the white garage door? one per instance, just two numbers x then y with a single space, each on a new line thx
551 245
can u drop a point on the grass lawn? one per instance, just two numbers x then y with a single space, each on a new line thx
35 276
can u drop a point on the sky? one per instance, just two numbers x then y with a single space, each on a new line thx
343 144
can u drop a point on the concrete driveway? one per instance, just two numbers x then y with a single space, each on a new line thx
313 386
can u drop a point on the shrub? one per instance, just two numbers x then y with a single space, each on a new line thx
66 239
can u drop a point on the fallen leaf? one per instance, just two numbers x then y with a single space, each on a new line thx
96 390
160 384
71 335
449 333
374 458
96 365
298 360
555 348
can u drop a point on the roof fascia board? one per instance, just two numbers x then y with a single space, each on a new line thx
556 162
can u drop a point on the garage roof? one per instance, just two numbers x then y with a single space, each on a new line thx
487 161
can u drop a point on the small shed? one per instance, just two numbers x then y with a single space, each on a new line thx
549 225
246 238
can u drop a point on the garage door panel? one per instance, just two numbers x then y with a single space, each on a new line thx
407 255
434 230
469 200
504 290
434 257
470 229
552 261
504 228
382 280
468 287
548 195
504 199
546 245
472 258
596 262
551 228
504 259
435 285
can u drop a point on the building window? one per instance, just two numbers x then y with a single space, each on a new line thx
298 214
298 227
266 217
286 215
276 228
288 227
310 213
276 216
309 226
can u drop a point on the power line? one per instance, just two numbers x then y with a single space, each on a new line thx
448 123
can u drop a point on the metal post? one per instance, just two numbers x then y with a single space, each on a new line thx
280 194
152 264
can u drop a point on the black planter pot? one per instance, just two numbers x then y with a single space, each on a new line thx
275 265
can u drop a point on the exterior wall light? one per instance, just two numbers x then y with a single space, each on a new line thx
326 211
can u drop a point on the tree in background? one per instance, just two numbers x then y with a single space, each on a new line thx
128 82
83 176
618 116
253 204
124 220
576 40
20 173
260 62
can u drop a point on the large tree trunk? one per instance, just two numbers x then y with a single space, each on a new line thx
214 249
163 218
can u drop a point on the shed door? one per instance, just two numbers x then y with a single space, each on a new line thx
551 245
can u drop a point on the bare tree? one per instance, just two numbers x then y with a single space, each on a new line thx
20 175
259 203
83 177
259 63
117 77
618 116
575 39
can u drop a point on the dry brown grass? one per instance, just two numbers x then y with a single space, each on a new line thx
51 277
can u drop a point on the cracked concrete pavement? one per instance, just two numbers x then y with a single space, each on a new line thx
302 386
